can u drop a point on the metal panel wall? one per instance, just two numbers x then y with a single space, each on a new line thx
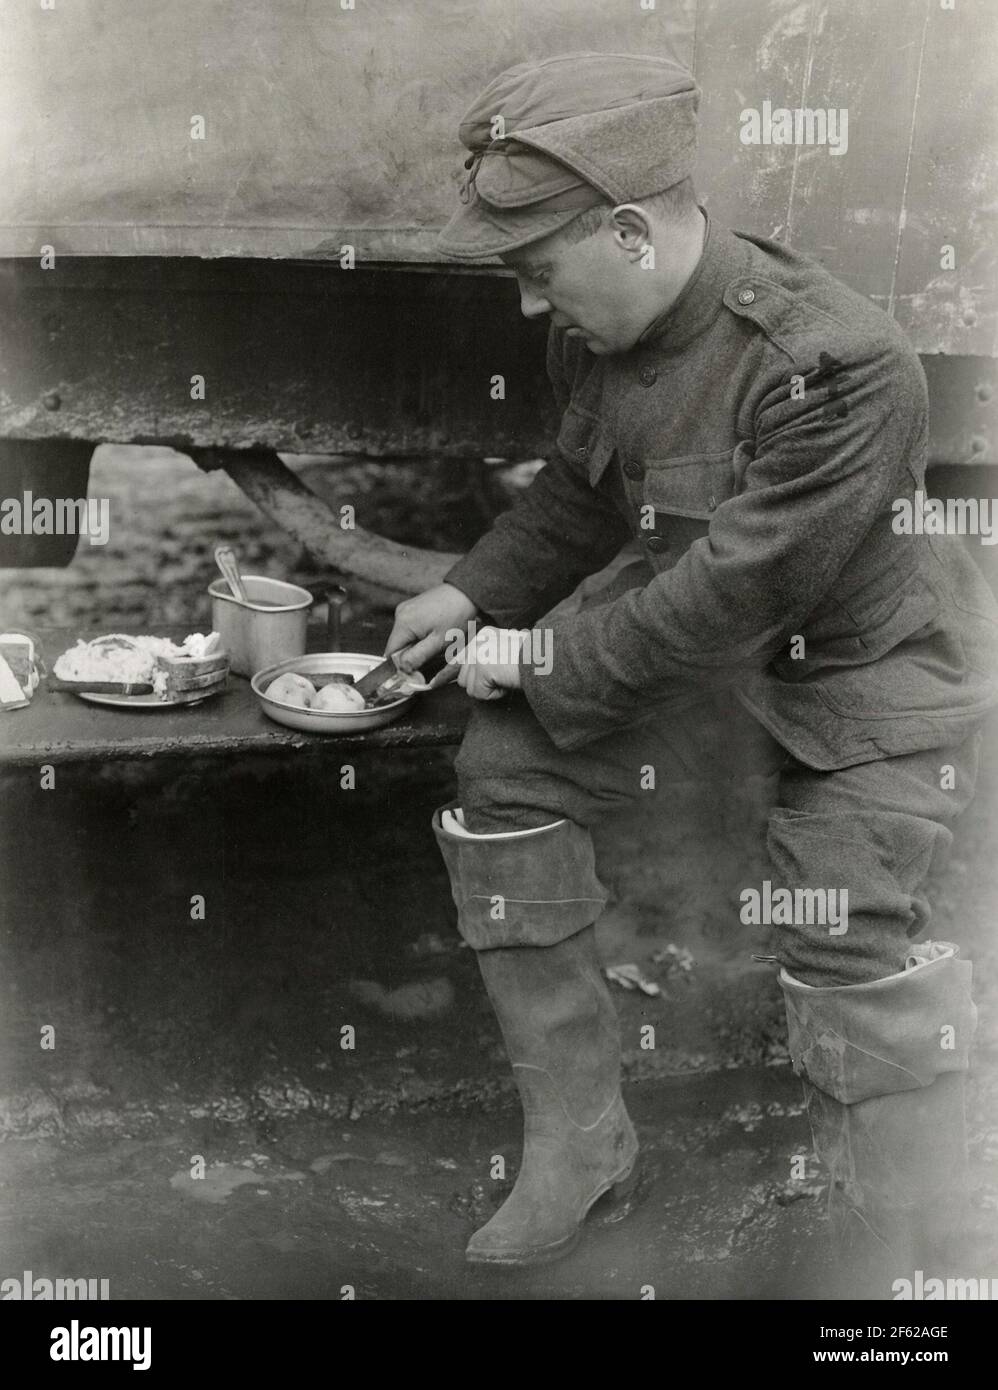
327 125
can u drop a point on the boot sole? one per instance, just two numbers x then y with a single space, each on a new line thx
617 1189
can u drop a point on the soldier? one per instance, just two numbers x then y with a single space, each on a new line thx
763 418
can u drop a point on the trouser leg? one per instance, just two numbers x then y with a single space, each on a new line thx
880 1017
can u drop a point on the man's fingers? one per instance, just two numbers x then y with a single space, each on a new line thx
401 635
444 677
420 652
478 684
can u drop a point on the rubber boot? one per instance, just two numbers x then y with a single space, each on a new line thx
526 902
883 1067
897 1168
562 1037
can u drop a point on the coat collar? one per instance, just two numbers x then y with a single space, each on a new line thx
723 258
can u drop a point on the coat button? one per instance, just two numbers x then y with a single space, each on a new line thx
657 544
582 451
632 469
746 296
647 376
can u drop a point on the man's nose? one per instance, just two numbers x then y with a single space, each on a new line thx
533 305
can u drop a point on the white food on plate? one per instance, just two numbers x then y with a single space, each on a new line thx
197 646
339 699
121 657
292 689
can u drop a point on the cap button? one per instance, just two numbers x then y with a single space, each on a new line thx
746 296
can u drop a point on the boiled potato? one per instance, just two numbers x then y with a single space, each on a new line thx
338 699
292 689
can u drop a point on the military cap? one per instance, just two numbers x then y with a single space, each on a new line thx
551 138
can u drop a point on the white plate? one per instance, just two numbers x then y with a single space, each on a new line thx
354 664
149 701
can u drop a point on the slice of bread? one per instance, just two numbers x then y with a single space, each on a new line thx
177 675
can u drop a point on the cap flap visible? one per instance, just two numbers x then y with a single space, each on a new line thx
512 175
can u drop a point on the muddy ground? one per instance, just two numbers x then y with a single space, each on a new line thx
365 1169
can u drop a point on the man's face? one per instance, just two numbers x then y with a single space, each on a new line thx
591 288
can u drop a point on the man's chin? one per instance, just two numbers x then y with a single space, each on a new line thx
600 347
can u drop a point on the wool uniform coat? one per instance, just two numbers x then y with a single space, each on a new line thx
754 442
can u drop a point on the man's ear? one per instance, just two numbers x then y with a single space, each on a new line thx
631 228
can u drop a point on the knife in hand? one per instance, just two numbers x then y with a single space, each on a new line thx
388 670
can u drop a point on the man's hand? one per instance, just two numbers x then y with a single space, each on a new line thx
428 621
490 663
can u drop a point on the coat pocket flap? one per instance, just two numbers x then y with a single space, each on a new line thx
585 441
694 485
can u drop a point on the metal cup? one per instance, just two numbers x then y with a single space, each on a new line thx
270 628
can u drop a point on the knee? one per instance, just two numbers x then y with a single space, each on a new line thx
871 868
504 777
497 744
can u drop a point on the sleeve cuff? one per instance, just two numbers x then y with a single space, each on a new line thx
485 590
547 710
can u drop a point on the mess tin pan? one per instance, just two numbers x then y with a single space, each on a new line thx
315 667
